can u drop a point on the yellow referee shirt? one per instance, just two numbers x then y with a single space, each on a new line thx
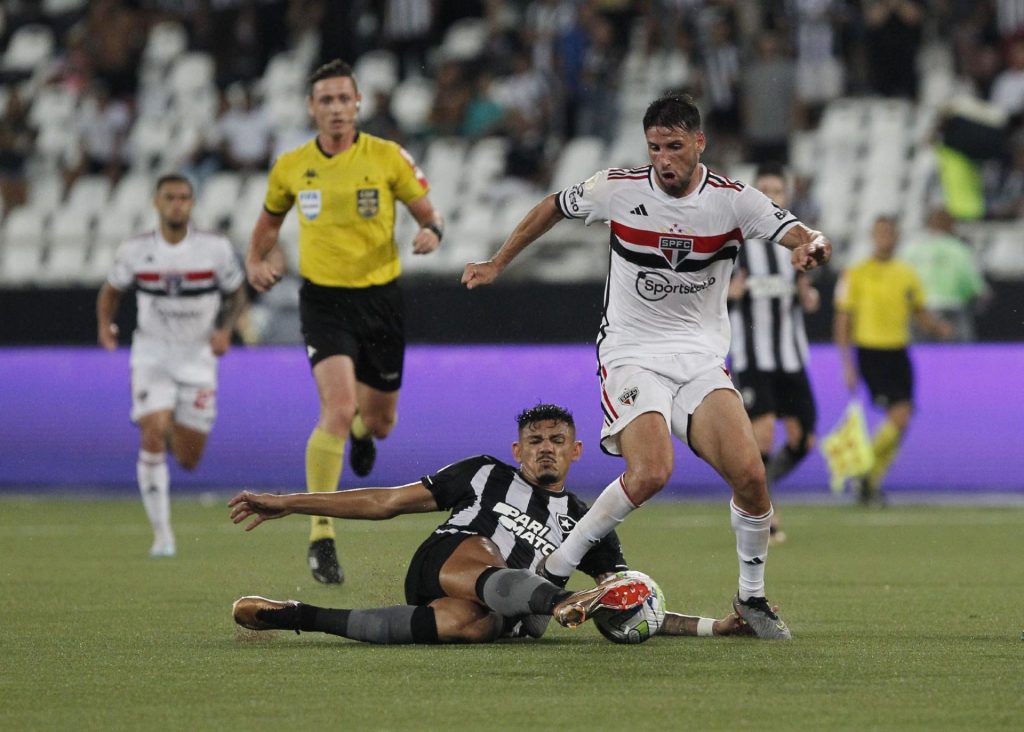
880 298
346 205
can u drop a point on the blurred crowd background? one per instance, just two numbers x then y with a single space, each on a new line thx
907 107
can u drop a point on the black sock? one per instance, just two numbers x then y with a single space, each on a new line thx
783 462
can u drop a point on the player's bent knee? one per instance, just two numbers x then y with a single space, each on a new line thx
646 480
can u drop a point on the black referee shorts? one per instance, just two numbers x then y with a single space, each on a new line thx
781 393
888 375
366 324
423 579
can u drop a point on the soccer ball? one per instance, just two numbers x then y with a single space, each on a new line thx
638 624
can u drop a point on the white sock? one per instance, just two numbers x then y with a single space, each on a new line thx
752 534
608 511
154 485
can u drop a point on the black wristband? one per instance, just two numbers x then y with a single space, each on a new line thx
438 232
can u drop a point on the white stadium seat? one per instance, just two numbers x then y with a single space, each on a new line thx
70 235
580 158
132 196
29 47
89 194
411 103
442 165
167 40
217 200
376 71
24 242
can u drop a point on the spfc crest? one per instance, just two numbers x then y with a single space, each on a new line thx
628 396
172 283
675 248
565 523
310 203
367 202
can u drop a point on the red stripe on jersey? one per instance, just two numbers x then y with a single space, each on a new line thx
189 276
715 180
148 276
205 275
608 403
623 176
701 244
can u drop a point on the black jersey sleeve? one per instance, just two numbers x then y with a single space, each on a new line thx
606 555
452 484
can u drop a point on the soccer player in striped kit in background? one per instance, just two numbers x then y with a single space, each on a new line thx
768 354
345 184
676 227
189 288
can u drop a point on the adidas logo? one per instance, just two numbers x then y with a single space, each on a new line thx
639 211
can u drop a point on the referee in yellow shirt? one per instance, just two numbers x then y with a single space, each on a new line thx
345 184
875 301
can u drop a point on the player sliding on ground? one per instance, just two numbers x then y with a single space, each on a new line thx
473 579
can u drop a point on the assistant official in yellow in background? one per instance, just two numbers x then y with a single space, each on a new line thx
345 184
875 302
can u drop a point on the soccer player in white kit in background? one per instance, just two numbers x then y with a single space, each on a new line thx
190 295
676 228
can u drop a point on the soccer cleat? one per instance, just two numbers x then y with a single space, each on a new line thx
776 536
162 549
758 614
615 595
259 613
323 562
362 455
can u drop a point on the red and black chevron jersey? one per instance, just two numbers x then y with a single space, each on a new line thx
179 285
671 258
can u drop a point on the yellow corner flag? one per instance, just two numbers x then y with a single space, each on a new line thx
847 448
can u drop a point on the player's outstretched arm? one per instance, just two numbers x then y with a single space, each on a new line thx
693 625
810 248
534 225
373 504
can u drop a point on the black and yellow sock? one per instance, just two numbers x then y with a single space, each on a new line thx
324 455
886 445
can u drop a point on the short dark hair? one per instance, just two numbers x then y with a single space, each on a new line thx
330 70
770 168
674 111
174 178
543 412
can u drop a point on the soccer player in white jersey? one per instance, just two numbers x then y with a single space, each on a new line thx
676 228
190 295
768 355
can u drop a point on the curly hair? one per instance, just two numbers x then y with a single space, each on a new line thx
543 412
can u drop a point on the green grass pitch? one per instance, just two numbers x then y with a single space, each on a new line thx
903 618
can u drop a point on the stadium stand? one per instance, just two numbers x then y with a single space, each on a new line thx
864 154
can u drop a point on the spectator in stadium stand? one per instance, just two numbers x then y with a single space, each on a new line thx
16 139
875 301
103 125
676 227
475 578
768 98
1008 87
768 354
344 183
190 294
893 37
244 132
947 267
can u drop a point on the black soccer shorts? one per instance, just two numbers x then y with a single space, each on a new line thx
423 579
781 393
888 374
366 324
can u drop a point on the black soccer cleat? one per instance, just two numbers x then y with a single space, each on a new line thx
362 455
323 562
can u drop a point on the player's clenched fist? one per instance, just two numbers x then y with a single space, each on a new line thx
479 273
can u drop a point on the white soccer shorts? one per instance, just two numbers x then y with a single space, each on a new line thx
172 380
672 386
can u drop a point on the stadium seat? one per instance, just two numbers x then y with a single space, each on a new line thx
57 146
247 210
46 193
216 201
24 243
28 49
580 158
411 103
376 71
1004 257
465 39
70 234
284 74
132 195
148 142
166 41
443 166
88 195
52 105
191 74
485 162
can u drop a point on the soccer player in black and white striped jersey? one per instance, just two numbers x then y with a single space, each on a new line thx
768 353
474 579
